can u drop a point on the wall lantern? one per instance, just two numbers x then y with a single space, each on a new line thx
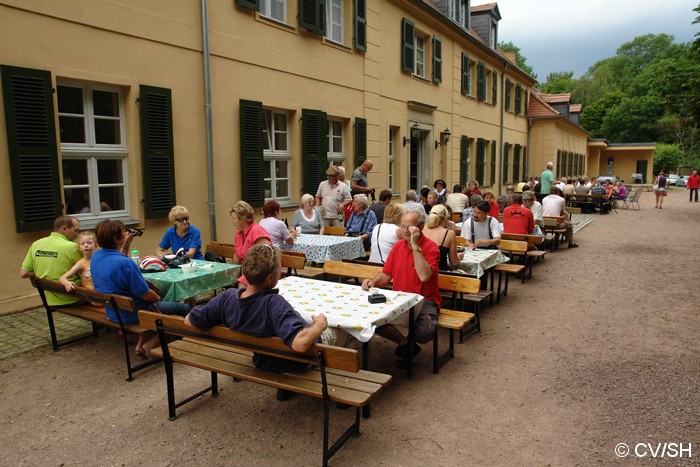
444 138
415 134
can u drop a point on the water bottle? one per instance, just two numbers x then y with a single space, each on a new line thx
135 257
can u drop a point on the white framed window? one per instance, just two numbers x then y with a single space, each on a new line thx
277 158
419 66
336 155
93 150
334 24
392 161
274 9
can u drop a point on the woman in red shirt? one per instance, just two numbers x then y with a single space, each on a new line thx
488 196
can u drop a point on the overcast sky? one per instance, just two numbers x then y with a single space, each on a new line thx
571 35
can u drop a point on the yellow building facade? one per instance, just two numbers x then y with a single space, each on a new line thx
135 119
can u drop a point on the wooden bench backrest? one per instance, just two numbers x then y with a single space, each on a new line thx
338 231
456 217
355 270
512 246
458 284
552 221
334 357
294 253
89 295
573 210
293 261
221 249
531 239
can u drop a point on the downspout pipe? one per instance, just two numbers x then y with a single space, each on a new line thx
503 110
208 118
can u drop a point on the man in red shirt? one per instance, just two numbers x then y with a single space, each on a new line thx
518 219
693 185
413 266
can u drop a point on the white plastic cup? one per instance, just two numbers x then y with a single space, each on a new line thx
298 229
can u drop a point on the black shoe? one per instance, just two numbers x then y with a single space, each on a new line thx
283 394
403 351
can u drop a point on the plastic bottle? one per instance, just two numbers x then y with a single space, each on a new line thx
135 256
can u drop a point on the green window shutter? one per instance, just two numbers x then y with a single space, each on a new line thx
494 89
507 94
437 60
526 101
252 159
558 162
516 164
518 99
408 38
250 4
481 161
464 161
506 156
360 140
31 141
157 151
466 75
493 163
525 171
361 25
481 81
312 15
314 148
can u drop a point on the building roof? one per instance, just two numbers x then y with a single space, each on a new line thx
538 107
488 7
575 108
557 98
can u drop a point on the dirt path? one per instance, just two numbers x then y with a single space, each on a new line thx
601 347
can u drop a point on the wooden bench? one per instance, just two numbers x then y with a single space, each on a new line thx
93 313
553 232
338 231
336 377
580 200
512 248
346 271
532 255
295 262
452 319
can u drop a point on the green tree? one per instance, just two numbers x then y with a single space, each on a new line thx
520 60
559 82
633 120
667 157
593 114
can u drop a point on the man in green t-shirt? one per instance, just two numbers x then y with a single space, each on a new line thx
51 257
546 179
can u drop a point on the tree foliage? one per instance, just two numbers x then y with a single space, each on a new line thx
559 82
520 60
667 157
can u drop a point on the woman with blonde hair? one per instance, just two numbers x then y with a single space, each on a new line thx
181 235
438 231
386 234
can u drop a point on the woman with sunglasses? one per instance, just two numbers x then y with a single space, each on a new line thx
181 235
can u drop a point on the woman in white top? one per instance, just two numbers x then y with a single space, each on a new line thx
386 234
307 217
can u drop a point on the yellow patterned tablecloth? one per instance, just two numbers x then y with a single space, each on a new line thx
344 305
322 248
176 286
476 262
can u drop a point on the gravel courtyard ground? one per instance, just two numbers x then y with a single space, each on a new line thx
601 347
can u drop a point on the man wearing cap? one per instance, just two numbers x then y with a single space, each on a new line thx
358 181
332 197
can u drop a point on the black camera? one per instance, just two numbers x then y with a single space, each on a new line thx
135 232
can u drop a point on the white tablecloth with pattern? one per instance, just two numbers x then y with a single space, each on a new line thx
322 248
345 306
476 262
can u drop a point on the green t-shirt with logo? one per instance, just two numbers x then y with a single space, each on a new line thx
50 258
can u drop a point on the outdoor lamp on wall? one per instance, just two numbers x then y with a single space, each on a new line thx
444 138
415 134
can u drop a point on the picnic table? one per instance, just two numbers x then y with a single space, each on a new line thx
476 262
345 306
321 248
176 286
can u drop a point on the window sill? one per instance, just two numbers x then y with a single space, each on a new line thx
337 45
275 23
90 223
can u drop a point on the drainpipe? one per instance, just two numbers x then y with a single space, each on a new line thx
529 126
503 110
208 119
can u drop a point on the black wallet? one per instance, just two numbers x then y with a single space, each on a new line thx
376 298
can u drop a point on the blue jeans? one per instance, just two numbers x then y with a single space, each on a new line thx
173 308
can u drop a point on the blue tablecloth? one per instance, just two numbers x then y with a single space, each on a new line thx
322 248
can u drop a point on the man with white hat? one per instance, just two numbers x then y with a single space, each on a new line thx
332 197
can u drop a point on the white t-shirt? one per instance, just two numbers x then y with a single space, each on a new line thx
481 229
457 201
537 213
553 205
383 238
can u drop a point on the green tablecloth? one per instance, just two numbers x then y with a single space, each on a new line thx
176 286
